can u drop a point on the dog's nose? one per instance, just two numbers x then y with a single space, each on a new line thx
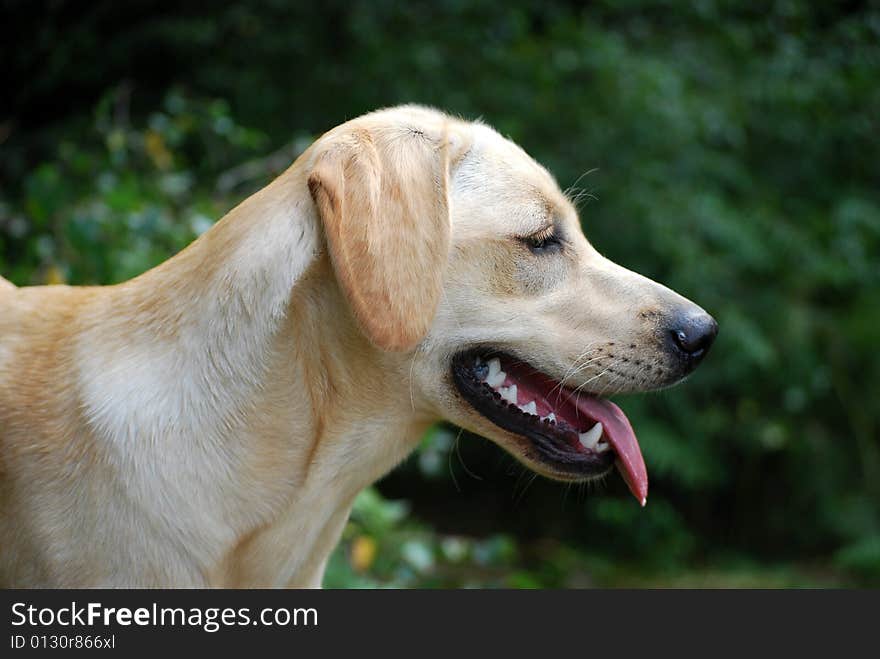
692 334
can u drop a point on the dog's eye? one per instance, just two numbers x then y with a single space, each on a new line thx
543 242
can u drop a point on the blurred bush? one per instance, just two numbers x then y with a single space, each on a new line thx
729 152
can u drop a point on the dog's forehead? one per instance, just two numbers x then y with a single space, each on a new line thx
506 155
500 188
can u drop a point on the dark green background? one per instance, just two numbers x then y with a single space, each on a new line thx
731 153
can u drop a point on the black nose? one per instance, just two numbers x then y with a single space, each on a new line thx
693 334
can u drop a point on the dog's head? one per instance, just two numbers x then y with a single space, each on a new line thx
456 249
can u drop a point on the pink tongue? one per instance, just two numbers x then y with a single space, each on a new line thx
618 432
616 429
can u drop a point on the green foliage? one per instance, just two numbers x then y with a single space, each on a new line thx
139 189
728 152
382 547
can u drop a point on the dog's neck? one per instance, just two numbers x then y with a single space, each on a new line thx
248 360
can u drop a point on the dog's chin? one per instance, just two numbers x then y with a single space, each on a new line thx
558 434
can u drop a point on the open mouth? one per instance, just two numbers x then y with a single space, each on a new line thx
576 435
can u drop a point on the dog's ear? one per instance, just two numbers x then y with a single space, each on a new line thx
381 193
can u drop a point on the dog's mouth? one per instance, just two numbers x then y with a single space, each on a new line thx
574 435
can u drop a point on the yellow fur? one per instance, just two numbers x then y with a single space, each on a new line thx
210 422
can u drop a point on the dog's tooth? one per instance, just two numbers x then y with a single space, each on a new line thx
551 417
601 447
530 408
497 379
590 439
509 393
495 376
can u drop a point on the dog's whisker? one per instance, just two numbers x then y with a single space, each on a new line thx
583 367
562 383
457 445
580 195
528 484
612 380
595 377
577 392
573 186
584 355
574 365
449 462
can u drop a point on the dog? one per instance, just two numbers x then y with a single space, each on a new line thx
210 422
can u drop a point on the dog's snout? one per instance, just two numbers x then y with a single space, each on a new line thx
692 334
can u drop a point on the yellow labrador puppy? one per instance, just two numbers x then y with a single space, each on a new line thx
210 422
